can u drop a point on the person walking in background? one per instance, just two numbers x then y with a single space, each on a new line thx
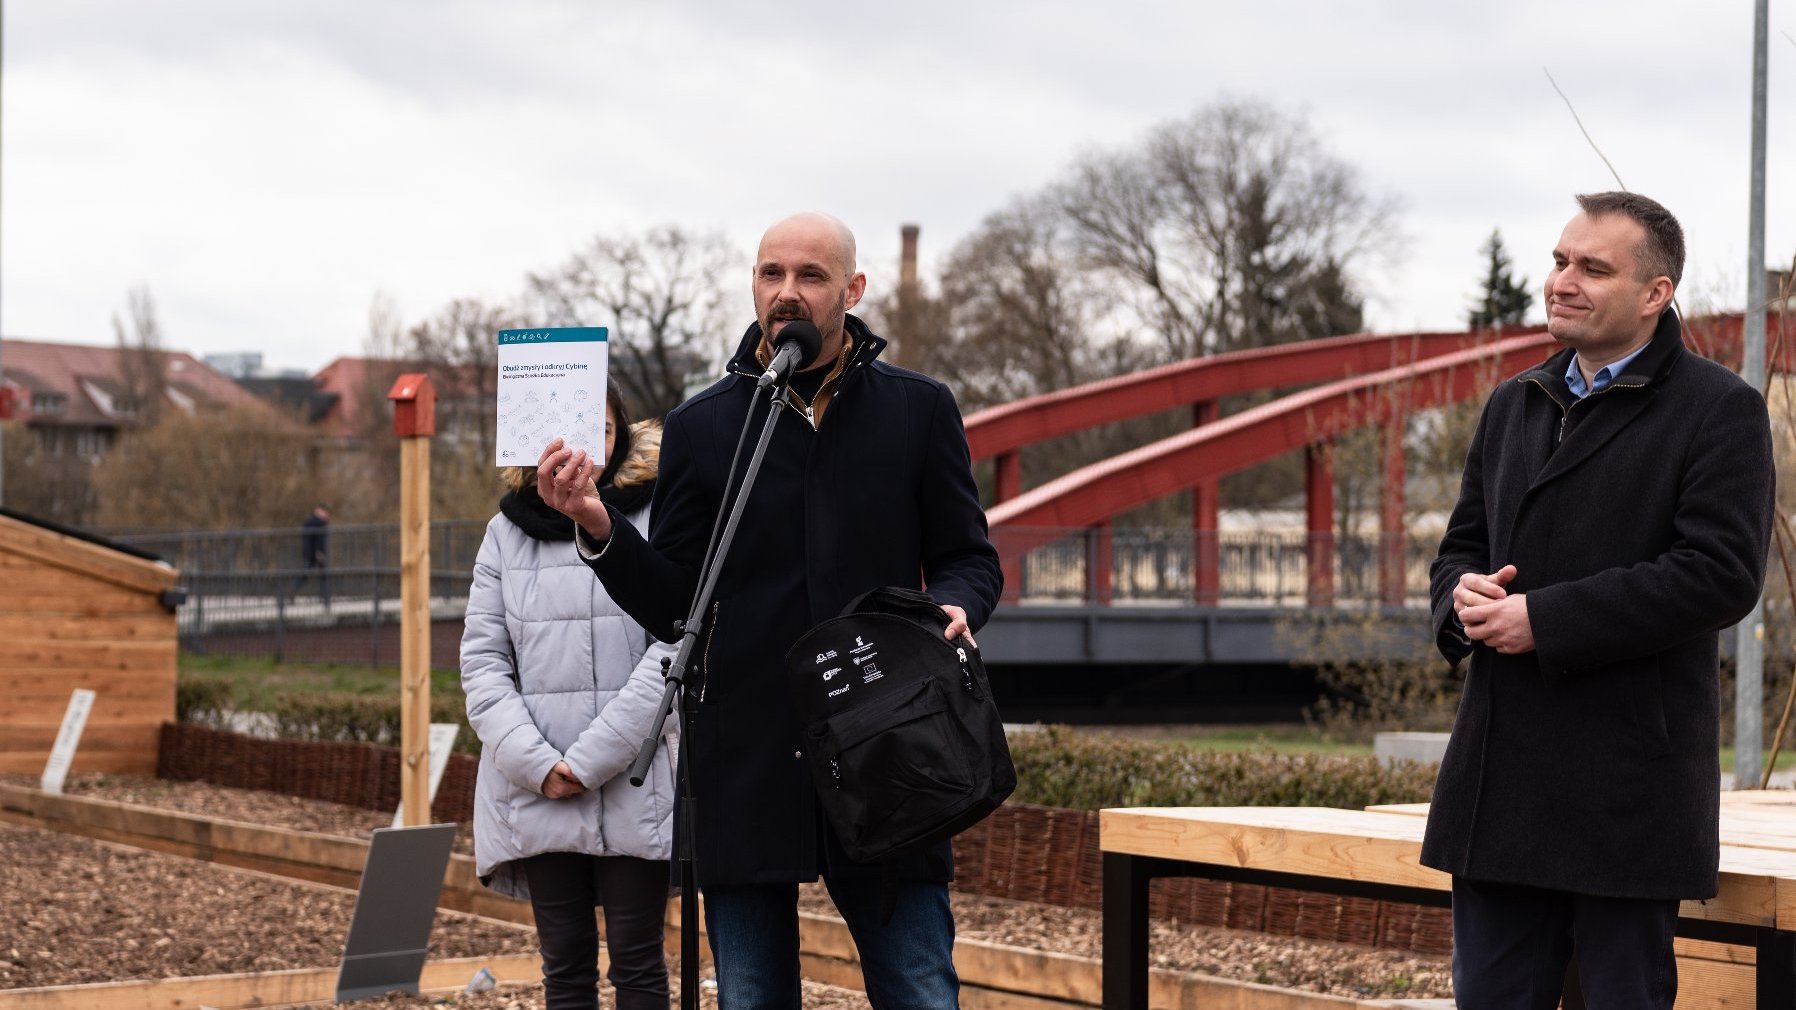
562 687
314 550
1614 516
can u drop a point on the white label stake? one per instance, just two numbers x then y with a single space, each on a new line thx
442 739
81 702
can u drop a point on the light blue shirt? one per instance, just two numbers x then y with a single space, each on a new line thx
1574 376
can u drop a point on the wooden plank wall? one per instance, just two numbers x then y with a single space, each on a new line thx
74 614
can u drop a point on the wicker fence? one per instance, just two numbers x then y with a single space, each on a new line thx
1021 852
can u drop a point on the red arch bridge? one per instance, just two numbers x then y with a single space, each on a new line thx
1081 592
1099 621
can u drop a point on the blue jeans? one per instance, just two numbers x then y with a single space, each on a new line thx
907 963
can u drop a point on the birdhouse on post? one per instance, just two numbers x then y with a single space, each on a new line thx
414 421
414 405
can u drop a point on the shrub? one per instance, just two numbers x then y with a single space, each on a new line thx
202 700
358 718
1059 767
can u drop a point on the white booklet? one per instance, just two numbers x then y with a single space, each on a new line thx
551 382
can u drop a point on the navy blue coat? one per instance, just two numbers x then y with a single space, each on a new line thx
1639 521
880 493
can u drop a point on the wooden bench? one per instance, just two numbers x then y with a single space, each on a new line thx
1377 854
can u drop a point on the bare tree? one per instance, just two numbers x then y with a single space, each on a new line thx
186 473
41 482
458 349
661 293
1230 228
143 370
1019 312
1017 315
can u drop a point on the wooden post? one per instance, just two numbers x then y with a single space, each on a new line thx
414 421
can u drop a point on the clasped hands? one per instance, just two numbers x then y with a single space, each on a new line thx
561 782
564 479
1491 614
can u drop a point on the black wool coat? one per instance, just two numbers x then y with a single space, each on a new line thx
1638 520
879 493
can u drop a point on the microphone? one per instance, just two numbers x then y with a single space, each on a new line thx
796 347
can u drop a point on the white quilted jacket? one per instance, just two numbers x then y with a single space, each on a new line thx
583 687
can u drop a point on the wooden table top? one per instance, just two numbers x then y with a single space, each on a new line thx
1384 845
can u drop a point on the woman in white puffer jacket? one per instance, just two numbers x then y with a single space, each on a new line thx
562 687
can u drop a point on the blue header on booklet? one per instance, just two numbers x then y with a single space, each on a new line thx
553 335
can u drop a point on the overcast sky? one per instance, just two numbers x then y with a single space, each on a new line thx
266 167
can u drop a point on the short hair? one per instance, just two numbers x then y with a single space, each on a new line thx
1662 253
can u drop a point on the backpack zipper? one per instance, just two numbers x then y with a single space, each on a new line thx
966 672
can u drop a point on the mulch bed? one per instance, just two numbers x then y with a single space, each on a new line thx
84 911
80 910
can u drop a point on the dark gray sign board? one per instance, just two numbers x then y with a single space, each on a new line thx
394 910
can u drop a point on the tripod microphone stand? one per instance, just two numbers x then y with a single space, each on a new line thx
675 670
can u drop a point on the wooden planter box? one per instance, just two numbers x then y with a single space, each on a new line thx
76 612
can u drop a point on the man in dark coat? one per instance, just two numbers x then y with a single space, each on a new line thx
1614 517
314 550
867 482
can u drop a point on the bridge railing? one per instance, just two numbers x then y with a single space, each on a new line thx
250 593
1158 565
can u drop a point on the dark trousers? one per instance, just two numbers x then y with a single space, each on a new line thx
564 887
1512 944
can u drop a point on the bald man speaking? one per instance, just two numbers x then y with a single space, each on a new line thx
867 482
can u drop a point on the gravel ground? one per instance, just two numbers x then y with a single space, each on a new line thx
79 910
816 997
158 903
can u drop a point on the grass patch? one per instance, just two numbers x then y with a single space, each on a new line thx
1278 738
1786 759
260 684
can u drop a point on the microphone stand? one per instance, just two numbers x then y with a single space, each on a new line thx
675 670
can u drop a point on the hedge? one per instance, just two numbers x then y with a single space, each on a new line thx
1059 767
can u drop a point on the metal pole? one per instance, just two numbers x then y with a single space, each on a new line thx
2 316
1749 652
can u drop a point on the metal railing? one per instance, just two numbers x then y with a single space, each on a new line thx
1158 565
250 594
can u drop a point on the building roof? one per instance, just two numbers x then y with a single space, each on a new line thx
359 383
294 393
89 377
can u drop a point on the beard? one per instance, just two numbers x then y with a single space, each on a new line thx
830 326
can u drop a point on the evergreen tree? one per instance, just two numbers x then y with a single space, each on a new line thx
1505 300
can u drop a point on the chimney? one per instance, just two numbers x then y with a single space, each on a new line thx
907 297
907 259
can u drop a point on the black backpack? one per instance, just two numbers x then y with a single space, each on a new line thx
902 735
